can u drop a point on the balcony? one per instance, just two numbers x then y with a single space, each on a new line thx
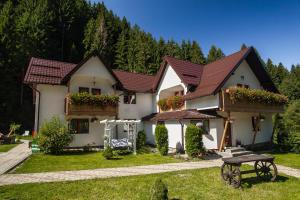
251 100
171 103
91 105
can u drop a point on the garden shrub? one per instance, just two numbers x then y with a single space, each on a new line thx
108 153
159 190
291 120
141 139
121 152
161 138
193 140
54 135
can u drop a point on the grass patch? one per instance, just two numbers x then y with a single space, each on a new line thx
7 147
29 137
287 159
87 160
190 184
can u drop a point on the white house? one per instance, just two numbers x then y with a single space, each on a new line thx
202 88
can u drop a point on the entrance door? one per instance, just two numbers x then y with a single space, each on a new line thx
228 140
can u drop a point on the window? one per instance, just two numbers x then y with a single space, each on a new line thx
84 89
96 91
204 124
242 85
79 126
129 98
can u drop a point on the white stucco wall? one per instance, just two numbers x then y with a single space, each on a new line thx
242 128
213 139
52 102
95 137
93 74
142 107
249 77
204 103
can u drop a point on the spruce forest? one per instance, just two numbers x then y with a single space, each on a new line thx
68 30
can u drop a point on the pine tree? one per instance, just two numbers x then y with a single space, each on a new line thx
173 49
185 50
196 54
244 46
214 54
121 51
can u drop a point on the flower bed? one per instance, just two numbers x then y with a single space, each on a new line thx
96 100
174 102
256 96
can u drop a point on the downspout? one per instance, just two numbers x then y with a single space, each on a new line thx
182 134
38 112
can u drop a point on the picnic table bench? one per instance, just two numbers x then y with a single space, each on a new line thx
264 168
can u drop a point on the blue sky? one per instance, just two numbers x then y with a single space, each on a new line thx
272 26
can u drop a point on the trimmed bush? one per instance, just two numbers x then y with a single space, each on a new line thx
193 140
161 138
54 135
159 190
141 139
108 153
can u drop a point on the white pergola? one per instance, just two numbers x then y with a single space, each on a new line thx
130 125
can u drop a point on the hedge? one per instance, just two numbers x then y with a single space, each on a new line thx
237 94
161 138
97 100
193 140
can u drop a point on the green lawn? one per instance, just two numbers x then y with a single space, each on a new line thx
29 137
190 184
6 147
287 159
91 160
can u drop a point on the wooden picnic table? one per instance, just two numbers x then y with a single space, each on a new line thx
264 168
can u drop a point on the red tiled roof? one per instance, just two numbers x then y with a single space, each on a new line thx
47 71
208 78
215 73
177 115
135 81
42 71
189 73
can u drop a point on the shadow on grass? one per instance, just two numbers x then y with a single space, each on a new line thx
250 181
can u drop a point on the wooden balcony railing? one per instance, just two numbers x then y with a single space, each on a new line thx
227 105
90 110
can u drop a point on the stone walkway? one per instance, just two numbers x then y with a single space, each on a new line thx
9 179
13 157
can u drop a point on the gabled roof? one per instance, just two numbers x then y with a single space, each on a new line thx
44 71
188 72
208 79
135 81
215 74
177 115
